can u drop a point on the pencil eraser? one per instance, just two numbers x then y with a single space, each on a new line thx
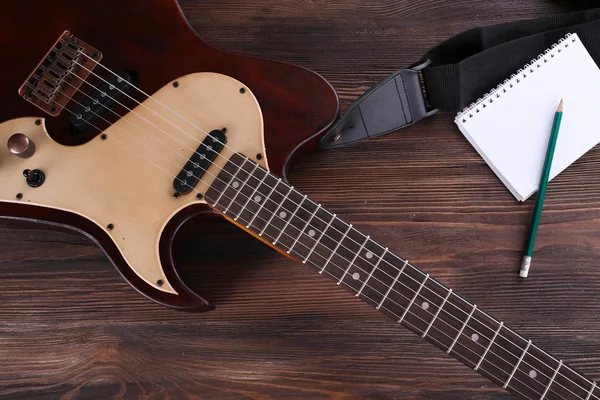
525 266
523 274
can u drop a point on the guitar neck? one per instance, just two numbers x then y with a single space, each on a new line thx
294 224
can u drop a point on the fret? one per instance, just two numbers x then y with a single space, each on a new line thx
371 273
267 221
220 185
437 313
513 348
405 293
267 198
236 193
304 228
312 249
290 219
347 263
591 392
595 393
461 329
436 320
551 380
414 298
535 371
302 234
484 345
372 283
276 211
243 184
353 260
516 366
487 349
231 178
392 285
327 253
569 383
335 249
252 195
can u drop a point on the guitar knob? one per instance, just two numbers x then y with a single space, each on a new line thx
21 146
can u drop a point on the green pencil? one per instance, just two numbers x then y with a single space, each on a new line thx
539 201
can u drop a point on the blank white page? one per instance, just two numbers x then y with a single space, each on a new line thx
510 126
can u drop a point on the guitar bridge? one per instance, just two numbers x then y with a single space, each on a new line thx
60 74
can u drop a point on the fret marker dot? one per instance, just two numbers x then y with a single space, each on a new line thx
235 184
355 276
425 305
474 337
369 255
533 374
311 233
282 215
257 198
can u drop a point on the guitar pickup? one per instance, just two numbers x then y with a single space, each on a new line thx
103 98
200 161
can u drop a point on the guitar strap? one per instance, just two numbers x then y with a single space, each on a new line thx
456 72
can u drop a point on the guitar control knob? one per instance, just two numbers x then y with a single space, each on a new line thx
35 178
21 146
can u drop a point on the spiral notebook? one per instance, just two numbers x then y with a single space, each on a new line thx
510 126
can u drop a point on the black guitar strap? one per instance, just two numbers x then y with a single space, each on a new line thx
456 72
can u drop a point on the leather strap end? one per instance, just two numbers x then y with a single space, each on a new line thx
394 103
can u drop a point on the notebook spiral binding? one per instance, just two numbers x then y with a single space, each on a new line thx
530 68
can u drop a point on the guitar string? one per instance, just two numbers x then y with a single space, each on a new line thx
146 107
341 269
123 117
433 327
191 136
188 185
280 193
150 97
291 237
225 145
522 363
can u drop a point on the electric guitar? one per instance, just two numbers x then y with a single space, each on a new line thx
124 134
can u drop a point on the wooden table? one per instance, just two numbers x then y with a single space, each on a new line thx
72 328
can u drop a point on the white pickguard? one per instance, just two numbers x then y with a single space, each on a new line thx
127 180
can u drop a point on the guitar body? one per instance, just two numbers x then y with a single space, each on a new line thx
273 110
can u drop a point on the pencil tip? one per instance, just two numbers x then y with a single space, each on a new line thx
560 106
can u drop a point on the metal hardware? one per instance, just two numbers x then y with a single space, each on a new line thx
103 98
34 178
199 162
60 74
418 69
21 146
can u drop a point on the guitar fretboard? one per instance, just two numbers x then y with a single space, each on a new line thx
292 222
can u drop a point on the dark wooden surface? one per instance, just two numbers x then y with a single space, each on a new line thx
71 328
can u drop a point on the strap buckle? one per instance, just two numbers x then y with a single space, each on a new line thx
396 102
418 68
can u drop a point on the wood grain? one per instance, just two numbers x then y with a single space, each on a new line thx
72 329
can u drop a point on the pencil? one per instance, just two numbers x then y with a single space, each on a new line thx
539 201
